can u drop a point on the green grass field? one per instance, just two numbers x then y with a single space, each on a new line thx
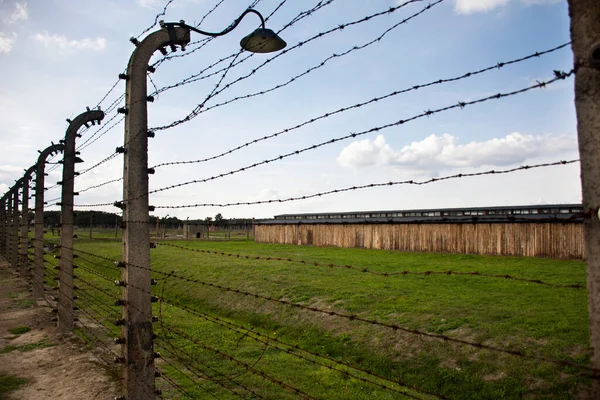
215 342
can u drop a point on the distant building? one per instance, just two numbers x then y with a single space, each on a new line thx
554 231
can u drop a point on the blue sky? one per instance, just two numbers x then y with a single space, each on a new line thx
57 58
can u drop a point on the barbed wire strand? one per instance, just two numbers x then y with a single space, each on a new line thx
373 185
99 163
595 373
101 132
466 75
174 384
214 90
162 13
196 110
558 77
267 339
202 42
198 76
319 65
201 374
368 271
100 185
234 360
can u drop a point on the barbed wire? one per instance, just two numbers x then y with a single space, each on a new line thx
54 199
373 185
111 313
466 75
427 113
196 110
188 52
319 65
203 42
214 90
101 132
108 93
93 263
268 339
372 272
174 384
99 275
98 256
198 76
109 108
201 374
99 324
228 357
594 372
52 168
212 10
225 72
99 163
461 104
100 185
114 104
101 341
162 13
97 134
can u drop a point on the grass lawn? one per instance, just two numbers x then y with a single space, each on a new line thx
9 383
221 343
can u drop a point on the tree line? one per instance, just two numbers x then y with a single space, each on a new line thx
83 219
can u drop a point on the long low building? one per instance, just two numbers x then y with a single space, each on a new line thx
554 231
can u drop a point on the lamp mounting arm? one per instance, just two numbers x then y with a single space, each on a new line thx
223 32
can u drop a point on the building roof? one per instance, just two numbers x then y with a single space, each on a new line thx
565 213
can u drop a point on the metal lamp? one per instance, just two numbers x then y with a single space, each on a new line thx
262 40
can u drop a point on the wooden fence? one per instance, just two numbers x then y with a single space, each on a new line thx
543 239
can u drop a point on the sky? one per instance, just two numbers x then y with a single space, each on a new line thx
57 58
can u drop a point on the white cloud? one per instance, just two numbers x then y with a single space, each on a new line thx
473 6
63 43
435 153
10 172
20 13
7 42
148 3
158 4
265 194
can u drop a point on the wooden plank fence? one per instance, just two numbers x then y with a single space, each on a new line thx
545 239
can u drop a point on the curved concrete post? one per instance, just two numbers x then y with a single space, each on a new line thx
8 236
38 250
3 225
14 258
65 286
138 352
24 238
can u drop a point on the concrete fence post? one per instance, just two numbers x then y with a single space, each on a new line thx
15 227
585 38
38 244
65 287
24 242
3 225
8 223
137 350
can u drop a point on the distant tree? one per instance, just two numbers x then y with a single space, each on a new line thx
208 220
218 219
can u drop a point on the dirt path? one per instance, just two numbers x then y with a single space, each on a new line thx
55 366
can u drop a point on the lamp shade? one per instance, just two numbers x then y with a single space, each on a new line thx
262 41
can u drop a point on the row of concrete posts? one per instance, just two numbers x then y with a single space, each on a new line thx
136 339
